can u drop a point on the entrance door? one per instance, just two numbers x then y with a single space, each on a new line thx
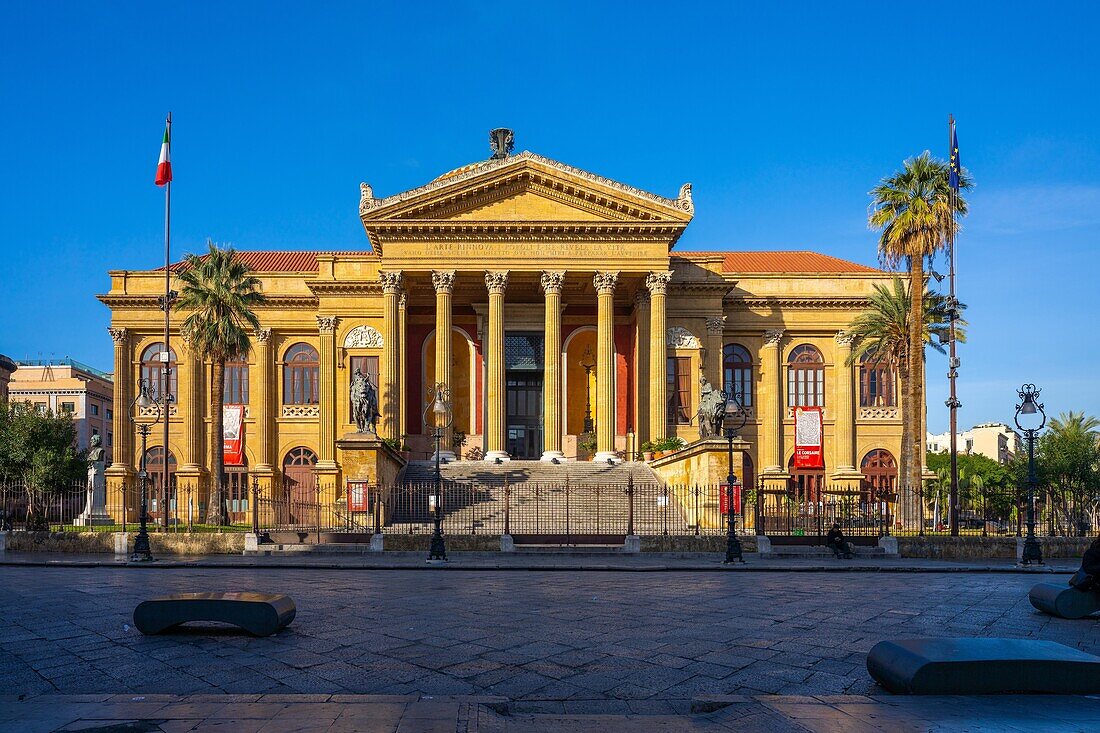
524 415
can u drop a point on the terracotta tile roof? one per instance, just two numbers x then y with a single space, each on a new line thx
301 261
765 262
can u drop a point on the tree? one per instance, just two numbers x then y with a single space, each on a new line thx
1068 458
38 449
915 211
220 294
881 334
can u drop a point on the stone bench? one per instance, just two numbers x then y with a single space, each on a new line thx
260 614
1064 600
982 667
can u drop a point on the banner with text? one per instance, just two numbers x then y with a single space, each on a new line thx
808 437
233 434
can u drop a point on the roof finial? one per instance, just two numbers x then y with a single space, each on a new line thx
501 142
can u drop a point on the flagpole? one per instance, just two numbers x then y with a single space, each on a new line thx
166 305
953 372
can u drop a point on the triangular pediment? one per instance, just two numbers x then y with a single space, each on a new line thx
525 188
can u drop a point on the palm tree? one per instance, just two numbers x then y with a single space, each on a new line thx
881 334
915 211
220 294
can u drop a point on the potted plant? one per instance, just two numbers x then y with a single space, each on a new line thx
587 443
458 440
405 452
647 450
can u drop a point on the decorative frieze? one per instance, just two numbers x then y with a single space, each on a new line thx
657 282
879 413
392 280
496 281
363 337
327 324
605 281
308 411
681 338
443 281
552 281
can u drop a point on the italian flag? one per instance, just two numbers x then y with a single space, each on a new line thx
164 167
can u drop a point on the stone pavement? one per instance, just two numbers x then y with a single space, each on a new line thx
322 713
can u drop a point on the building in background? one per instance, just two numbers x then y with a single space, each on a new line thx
992 439
65 386
7 366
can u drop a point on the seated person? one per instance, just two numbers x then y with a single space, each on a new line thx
1088 577
835 541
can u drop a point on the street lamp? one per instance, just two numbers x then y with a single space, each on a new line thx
439 416
733 419
588 363
138 409
1034 421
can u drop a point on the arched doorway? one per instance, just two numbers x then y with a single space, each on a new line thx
158 500
880 481
805 484
299 483
237 492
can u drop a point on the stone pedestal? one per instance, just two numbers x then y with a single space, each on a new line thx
364 457
95 506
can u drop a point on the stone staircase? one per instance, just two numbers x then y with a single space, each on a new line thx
539 503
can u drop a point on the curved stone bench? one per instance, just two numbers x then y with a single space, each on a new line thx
982 667
1064 600
261 614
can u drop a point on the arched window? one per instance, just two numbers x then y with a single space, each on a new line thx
152 369
805 377
300 375
154 468
737 373
876 382
880 473
236 383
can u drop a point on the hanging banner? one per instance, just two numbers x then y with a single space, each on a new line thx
724 499
358 496
809 431
233 434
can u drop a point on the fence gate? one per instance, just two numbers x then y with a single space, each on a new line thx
790 516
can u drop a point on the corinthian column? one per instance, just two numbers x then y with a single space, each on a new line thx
844 418
712 369
402 361
657 283
326 458
605 365
771 406
444 283
496 282
551 387
260 398
122 453
390 380
641 366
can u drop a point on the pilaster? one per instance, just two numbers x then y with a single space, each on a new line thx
712 359
605 365
390 379
444 283
657 283
402 361
771 409
326 457
119 475
551 389
642 386
496 282
844 472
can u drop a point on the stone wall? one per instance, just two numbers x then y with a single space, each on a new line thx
980 548
172 543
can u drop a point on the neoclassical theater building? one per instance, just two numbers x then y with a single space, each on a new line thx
537 292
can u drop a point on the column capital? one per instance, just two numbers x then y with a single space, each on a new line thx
263 335
392 280
403 301
496 280
552 281
657 282
773 336
605 282
443 281
641 297
118 335
327 324
844 338
716 325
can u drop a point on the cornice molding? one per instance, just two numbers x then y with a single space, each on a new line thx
343 287
842 303
151 302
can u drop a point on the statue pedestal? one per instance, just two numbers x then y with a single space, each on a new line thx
93 519
95 507
365 458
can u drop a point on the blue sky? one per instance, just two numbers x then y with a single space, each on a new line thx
782 115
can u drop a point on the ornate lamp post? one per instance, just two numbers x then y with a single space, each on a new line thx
1035 419
138 408
439 415
733 420
588 363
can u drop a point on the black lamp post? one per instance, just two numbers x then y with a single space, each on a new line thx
141 404
439 415
1033 409
732 421
588 362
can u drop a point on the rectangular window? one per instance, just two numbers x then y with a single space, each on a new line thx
68 408
95 431
40 407
678 385
236 384
110 439
806 386
369 366
94 408
876 386
110 414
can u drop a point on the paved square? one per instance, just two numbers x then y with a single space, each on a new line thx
617 642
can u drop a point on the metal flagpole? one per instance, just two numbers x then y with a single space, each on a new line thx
166 305
953 313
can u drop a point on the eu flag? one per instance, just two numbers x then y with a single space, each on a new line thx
956 166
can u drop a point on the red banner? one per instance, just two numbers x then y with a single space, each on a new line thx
233 434
809 432
358 496
724 499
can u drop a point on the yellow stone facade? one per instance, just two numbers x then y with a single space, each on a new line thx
526 263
